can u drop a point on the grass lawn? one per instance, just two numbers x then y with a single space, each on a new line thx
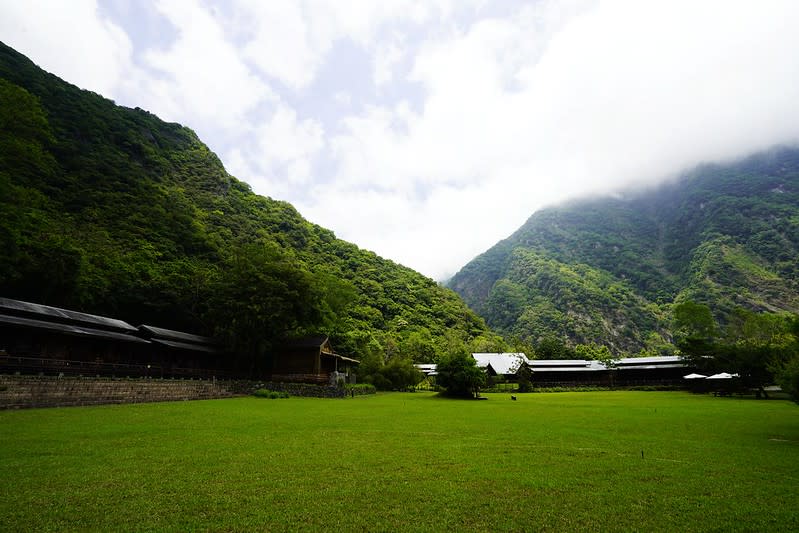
646 461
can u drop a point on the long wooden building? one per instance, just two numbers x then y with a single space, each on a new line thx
40 339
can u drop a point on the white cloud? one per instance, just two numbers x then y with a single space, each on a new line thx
69 39
290 41
277 159
617 93
202 80
386 58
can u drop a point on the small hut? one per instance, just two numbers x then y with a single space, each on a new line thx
311 360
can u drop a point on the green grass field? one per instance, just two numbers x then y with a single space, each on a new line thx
646 461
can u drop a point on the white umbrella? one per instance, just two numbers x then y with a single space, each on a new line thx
723 375
694 376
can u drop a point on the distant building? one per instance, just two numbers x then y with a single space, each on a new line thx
628 371
311 360
501 364
661 370
428 369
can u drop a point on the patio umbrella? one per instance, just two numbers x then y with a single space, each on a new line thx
723 375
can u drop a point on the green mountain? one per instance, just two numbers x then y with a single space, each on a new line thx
110 210
606 270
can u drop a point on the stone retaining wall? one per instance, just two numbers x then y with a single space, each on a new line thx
50 391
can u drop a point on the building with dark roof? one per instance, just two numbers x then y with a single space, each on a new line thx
36 338
311 359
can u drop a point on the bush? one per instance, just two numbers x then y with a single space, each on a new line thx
270 394
397 374
788 377
360 388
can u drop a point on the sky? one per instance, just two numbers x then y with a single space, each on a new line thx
428 130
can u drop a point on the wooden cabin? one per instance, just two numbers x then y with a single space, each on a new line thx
311 360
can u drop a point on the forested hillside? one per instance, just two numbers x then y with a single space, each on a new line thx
112 211
607 270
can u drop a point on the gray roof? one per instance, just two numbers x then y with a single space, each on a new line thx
33 310
311 341
186 346
68 329
502 363
626 363
428 369
569 366
179 336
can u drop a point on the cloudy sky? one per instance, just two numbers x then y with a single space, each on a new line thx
427 130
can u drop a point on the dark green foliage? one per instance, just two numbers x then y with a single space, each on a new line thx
270 394
110 210
553 348
787 376
457 372
606 270
524 378
360 388
756 346
398 374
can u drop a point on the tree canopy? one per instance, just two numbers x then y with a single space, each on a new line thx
458 373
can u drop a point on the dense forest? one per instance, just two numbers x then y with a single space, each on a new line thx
609 270
111 211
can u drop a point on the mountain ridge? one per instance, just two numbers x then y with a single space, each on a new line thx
722 234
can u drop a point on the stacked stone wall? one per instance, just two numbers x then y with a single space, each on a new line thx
50 391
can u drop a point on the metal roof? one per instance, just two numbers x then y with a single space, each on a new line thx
186 346
170 334
67 329
571 366
18 307
428 369
502 363
578 364
587 365
657 360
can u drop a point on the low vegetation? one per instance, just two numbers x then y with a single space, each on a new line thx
270 394
646 461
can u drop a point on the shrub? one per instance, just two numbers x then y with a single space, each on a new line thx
270 394
360 388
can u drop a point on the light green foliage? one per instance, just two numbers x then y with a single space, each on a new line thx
595 352
245 464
